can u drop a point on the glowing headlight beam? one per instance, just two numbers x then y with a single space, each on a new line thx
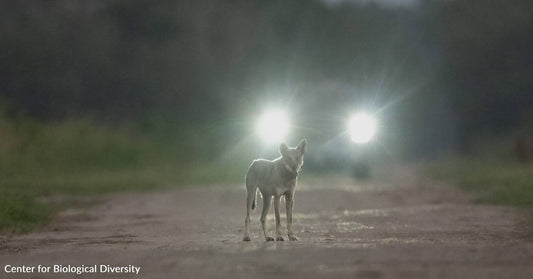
273 126
361 128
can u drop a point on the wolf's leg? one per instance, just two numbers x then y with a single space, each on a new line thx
289 202
278 221
267 200
250 196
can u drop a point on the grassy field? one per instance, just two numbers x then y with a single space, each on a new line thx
77 158
493 181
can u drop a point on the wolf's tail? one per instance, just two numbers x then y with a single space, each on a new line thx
255 197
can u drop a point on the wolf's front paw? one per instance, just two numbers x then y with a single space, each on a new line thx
280 238
293 238
269 238
246 238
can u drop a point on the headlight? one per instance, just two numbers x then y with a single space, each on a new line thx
273 126
361 128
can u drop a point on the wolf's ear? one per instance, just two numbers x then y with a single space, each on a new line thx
302 146
283 148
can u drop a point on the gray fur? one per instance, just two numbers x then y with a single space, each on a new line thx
274 179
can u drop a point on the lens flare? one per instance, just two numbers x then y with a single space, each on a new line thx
361 128
273 126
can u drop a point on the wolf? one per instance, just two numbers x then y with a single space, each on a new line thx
274 179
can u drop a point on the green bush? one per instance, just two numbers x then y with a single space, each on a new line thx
80 157
500 182
20 211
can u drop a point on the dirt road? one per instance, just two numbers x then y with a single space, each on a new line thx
397 227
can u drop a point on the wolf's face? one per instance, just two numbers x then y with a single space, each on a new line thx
293 158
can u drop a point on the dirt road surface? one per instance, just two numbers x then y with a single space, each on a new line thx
397 227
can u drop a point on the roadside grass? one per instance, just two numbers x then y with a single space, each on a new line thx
493 181
78 158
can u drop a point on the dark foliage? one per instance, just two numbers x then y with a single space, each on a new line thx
445 71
